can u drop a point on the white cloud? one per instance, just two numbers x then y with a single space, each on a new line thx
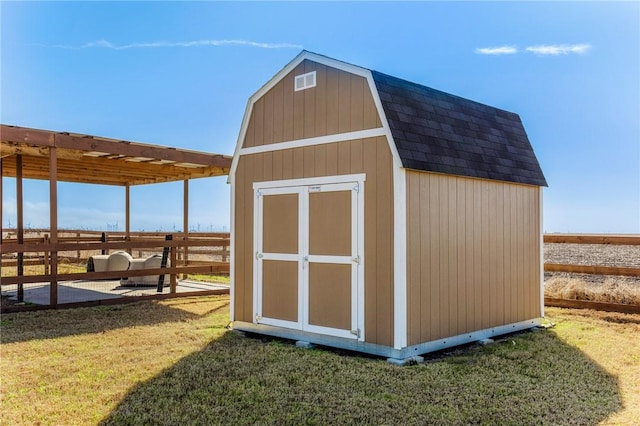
499 50
105 44
559 49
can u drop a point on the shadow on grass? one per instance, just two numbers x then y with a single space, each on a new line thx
532 378
51 324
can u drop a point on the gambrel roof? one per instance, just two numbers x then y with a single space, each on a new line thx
430 130
439 132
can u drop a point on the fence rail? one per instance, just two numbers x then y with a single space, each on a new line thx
589 304
592 269
76 246
209 255
631 240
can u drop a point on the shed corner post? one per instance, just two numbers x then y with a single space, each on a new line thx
400 320
232 196
541 266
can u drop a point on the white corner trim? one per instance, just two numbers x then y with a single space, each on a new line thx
320 140
399 228
399 258
232 255
541 255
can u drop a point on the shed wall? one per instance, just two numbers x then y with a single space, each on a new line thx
370 156
341 102
473 254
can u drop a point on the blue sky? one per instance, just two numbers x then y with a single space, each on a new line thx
180 74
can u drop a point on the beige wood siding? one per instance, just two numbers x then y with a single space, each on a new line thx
330 223
280 216
341 102
330 295
370 156
473 255
280 290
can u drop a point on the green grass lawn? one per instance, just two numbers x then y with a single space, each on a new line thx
173 362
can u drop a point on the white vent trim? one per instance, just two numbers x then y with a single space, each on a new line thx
305 81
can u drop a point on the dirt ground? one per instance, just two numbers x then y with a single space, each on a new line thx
599 288
593 254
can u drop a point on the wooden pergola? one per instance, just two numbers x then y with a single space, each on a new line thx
69 157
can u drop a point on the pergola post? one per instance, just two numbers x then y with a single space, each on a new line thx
53 224
20 226
127 214
185 225
1 203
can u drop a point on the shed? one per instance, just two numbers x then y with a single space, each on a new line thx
378 215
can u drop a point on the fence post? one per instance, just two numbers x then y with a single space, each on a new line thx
103 238
47 255
163 263
78 252
185 255
173 277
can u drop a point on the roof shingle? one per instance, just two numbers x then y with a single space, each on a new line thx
439 132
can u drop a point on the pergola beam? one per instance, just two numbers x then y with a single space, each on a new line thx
109 171
92 159
87 143
56 156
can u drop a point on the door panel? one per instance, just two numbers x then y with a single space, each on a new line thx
280 290
330 295
278 261
280 223
330 223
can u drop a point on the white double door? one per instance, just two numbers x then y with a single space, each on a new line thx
308 262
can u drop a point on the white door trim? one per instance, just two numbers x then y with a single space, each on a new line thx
259 256
324 180
303 187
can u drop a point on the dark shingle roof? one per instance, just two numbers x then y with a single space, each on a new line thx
439 132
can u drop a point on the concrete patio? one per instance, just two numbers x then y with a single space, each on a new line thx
85 291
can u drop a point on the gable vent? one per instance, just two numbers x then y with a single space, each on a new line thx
305 81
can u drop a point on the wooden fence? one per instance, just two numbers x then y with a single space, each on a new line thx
192 253
631 240
206 253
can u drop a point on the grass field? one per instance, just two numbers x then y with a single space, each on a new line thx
174 362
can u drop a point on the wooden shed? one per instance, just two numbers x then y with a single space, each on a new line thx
374 214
